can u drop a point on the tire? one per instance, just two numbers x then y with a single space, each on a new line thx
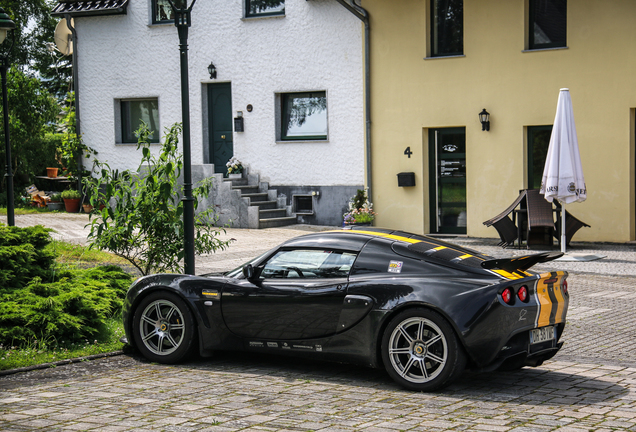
420 350
163 328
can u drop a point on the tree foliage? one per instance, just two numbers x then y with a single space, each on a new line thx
32 38
31 113
143 219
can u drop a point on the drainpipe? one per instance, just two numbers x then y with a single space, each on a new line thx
80 166
363 16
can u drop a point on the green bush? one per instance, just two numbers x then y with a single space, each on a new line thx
42 301
24 256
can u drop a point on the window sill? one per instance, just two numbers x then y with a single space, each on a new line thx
162 24
302 141
133 144
545 49
252 18
445 57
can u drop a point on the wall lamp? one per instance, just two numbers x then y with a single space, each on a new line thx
484 118
212 71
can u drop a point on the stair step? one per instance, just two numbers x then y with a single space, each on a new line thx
255 197
277 222
273 213
265 205
236 182
246 188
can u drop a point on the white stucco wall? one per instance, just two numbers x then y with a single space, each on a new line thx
316 46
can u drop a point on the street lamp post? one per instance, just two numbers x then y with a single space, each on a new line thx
6 24
182 21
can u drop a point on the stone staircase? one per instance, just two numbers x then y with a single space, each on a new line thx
243 203
272 211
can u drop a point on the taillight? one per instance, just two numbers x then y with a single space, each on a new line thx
523 294
565 286
506 296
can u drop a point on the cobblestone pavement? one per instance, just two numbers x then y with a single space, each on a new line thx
589 386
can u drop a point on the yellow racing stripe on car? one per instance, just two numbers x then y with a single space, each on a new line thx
389 236
507 274
550 298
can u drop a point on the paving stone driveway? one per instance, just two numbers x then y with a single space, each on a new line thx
589 386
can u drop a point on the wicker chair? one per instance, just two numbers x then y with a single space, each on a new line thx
572 225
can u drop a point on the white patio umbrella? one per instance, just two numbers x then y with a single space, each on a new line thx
563 174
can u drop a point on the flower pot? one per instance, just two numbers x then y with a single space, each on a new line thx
72 204
235 176
87 208
55 205
51 172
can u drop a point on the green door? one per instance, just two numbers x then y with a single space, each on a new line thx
447 171
220 123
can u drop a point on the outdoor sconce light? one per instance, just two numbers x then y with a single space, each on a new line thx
238 122
212 71
484 118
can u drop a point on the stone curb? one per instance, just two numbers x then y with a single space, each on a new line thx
60 363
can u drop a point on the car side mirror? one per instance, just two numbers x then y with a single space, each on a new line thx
248 271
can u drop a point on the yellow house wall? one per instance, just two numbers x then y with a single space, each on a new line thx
411 94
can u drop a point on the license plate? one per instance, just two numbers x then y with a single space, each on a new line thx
541 334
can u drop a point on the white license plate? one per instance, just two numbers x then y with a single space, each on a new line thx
541 334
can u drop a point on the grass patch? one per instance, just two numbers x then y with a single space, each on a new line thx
30 210
51 351
83 256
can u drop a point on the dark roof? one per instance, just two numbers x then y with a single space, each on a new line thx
77 8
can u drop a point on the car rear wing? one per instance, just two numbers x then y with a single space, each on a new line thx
521 263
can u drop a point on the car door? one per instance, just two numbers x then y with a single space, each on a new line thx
296 294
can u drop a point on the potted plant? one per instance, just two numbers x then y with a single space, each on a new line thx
234 168
360 210
71 199
55 202
51 172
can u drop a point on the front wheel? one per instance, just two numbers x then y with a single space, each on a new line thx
163 328
420 350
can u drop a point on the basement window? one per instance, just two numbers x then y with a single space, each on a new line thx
303 204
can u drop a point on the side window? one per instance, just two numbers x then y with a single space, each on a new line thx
257 8
303 116
447 27
308 263
132 112
162 12
547 24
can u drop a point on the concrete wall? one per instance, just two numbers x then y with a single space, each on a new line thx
317 45
411 94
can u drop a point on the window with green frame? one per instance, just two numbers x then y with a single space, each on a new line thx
162 11
538 142
447 27
257 8
304 116
133 112
547 24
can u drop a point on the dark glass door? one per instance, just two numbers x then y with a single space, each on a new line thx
220 123
538 142
447 171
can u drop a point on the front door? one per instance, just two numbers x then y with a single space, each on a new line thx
447 171
538 143
220 123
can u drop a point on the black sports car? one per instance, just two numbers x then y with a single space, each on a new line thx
422 308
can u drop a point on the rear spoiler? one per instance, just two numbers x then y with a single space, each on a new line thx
521 263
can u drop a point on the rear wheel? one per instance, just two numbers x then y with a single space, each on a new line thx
420 350
163 328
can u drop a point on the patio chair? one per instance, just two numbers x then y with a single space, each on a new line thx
540 221
572 225
506 228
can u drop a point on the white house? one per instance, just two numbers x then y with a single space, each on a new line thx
293 69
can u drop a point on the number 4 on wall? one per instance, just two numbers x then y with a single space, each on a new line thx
408 152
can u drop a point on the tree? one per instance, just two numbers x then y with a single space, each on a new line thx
32 111
32 38
145 225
